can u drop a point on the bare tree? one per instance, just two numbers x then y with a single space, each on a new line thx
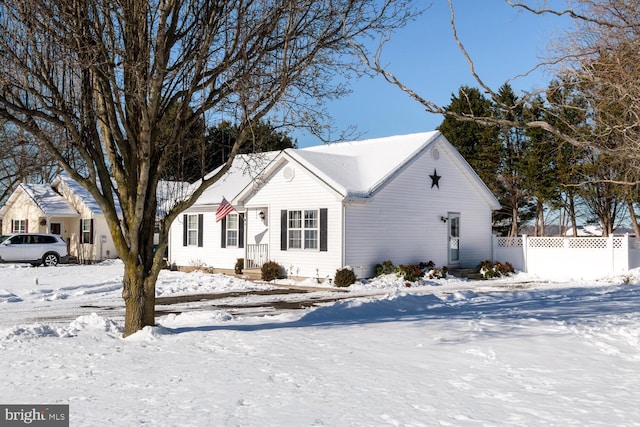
108 73
599 58
21 160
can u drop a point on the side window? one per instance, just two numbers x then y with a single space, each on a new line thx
19 226
192 230
232 230
16 240
86 231
303 229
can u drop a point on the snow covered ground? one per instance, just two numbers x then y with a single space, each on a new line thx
515 351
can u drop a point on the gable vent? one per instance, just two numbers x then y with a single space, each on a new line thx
288 173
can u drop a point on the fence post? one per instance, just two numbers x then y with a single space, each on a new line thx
494 248
613 256
625 251
525 261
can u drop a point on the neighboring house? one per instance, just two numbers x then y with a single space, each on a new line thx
64 208
407 199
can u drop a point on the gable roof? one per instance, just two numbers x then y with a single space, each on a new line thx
81 194
48 201
244 170
357 169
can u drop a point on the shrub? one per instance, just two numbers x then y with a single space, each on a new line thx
426 266
435 273
239 265
490 270
410 272
344 277
271 270
386 267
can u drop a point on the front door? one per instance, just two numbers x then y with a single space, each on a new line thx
454 238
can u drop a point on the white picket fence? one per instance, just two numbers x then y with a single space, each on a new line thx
574 257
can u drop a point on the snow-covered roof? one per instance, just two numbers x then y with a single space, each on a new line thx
245 168
82 194
357 168
47 200
353 169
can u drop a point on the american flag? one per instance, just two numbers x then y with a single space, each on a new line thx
223 210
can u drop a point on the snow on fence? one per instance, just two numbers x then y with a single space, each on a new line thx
587 257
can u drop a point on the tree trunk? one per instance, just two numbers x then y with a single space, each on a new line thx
572 214
540 215
634 218
514 222
139 297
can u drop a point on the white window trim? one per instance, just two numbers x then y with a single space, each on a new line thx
192 239
230 230
303 229
19 225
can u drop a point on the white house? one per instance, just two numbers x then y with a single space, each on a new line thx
64 208
406 199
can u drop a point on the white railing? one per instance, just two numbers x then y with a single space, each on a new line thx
569 256
256 255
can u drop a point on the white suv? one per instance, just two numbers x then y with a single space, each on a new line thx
36 249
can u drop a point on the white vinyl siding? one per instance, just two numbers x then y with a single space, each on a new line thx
409 230
303 193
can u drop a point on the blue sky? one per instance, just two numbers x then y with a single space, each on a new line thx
503 42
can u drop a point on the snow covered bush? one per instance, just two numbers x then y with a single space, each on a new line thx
344 277
271 270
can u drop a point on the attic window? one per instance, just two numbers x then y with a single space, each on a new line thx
435 154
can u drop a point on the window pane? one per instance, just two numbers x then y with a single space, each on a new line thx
295 219
86 231
232 221
295 239
310 219
192 237
232 237
311 239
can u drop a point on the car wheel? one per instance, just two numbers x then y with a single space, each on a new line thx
50 259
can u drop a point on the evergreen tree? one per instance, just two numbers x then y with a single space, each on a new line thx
539 168
478 144
511 179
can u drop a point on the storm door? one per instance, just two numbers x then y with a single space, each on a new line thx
454 238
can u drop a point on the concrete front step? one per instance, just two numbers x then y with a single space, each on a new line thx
467 273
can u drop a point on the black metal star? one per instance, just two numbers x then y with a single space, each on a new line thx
435 179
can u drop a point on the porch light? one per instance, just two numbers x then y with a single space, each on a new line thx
443 219
261 215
